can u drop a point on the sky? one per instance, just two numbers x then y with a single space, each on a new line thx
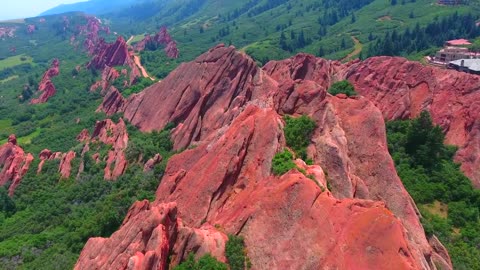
15 9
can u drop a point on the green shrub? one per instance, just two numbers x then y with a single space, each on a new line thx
206 262
342 87
282 162
236 254
298 132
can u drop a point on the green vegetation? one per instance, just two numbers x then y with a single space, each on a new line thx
50 218
282 162
429 174
138 87
418 39
236 253
15 61
206 262
342 87
298 132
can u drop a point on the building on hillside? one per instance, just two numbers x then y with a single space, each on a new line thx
449 54
458 43
466 65
453 50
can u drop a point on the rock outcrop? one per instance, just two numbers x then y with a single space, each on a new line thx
232 112
106 57
402 89
14 164
162 38
7 32
115 135
46 89
65 168
115 54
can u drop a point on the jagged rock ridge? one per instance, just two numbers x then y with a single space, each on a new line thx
232 111
46 87
14 164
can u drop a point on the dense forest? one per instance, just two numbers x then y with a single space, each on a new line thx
446 198
431 36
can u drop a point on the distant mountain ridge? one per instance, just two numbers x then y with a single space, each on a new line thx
96 7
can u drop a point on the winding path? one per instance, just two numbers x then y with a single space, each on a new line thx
358 49
142 69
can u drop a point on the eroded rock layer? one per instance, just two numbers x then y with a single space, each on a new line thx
231 110
14 164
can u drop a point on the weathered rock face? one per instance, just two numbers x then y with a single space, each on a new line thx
115 54
161 38
201 97
7 32
65 168
14 164
231 110
109 75
116 135
402 89
46 87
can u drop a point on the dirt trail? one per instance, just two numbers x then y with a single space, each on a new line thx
142 69
357 51
130 40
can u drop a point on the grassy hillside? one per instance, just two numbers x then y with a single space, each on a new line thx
332 29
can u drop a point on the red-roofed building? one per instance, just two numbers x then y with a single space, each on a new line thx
458 42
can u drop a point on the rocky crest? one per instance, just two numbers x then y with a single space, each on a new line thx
402 89
14 163
232 111
115 135
46 87
114 54
106 57
161 38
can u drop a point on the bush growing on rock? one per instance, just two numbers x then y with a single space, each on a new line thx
206 262
282 162
342 87
235 253
298 132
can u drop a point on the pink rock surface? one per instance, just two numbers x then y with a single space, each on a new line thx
232 111
116 135
14 163
150 164
65 168
46 87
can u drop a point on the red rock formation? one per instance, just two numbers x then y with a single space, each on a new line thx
150 164
65 168
83 136
402 89
231 109
161 38
115 54
109 75
14 163
46 87
31 28
116 135
113 102
7 32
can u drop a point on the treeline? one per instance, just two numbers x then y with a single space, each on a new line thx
421 38
431 177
